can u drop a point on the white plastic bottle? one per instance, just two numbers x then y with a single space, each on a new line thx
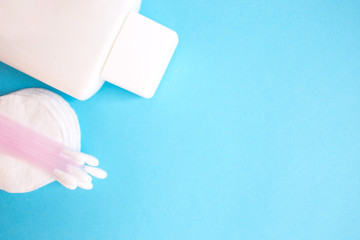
74 45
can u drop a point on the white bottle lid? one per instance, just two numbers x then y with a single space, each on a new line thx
140 55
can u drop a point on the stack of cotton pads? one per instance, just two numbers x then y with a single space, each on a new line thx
49 114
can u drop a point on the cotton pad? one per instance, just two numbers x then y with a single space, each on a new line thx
46 113
61 110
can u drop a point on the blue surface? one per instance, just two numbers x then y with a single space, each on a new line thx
254 133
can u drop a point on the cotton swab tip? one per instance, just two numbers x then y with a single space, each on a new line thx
66 179
96 172
85 185
79 173
82 158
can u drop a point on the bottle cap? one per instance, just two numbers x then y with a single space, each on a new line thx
140 55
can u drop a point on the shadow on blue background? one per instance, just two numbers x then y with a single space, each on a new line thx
254 133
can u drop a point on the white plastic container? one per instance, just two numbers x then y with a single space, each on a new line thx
74 45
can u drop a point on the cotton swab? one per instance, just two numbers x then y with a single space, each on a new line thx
67 166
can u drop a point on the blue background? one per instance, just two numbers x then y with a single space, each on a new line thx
254 133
